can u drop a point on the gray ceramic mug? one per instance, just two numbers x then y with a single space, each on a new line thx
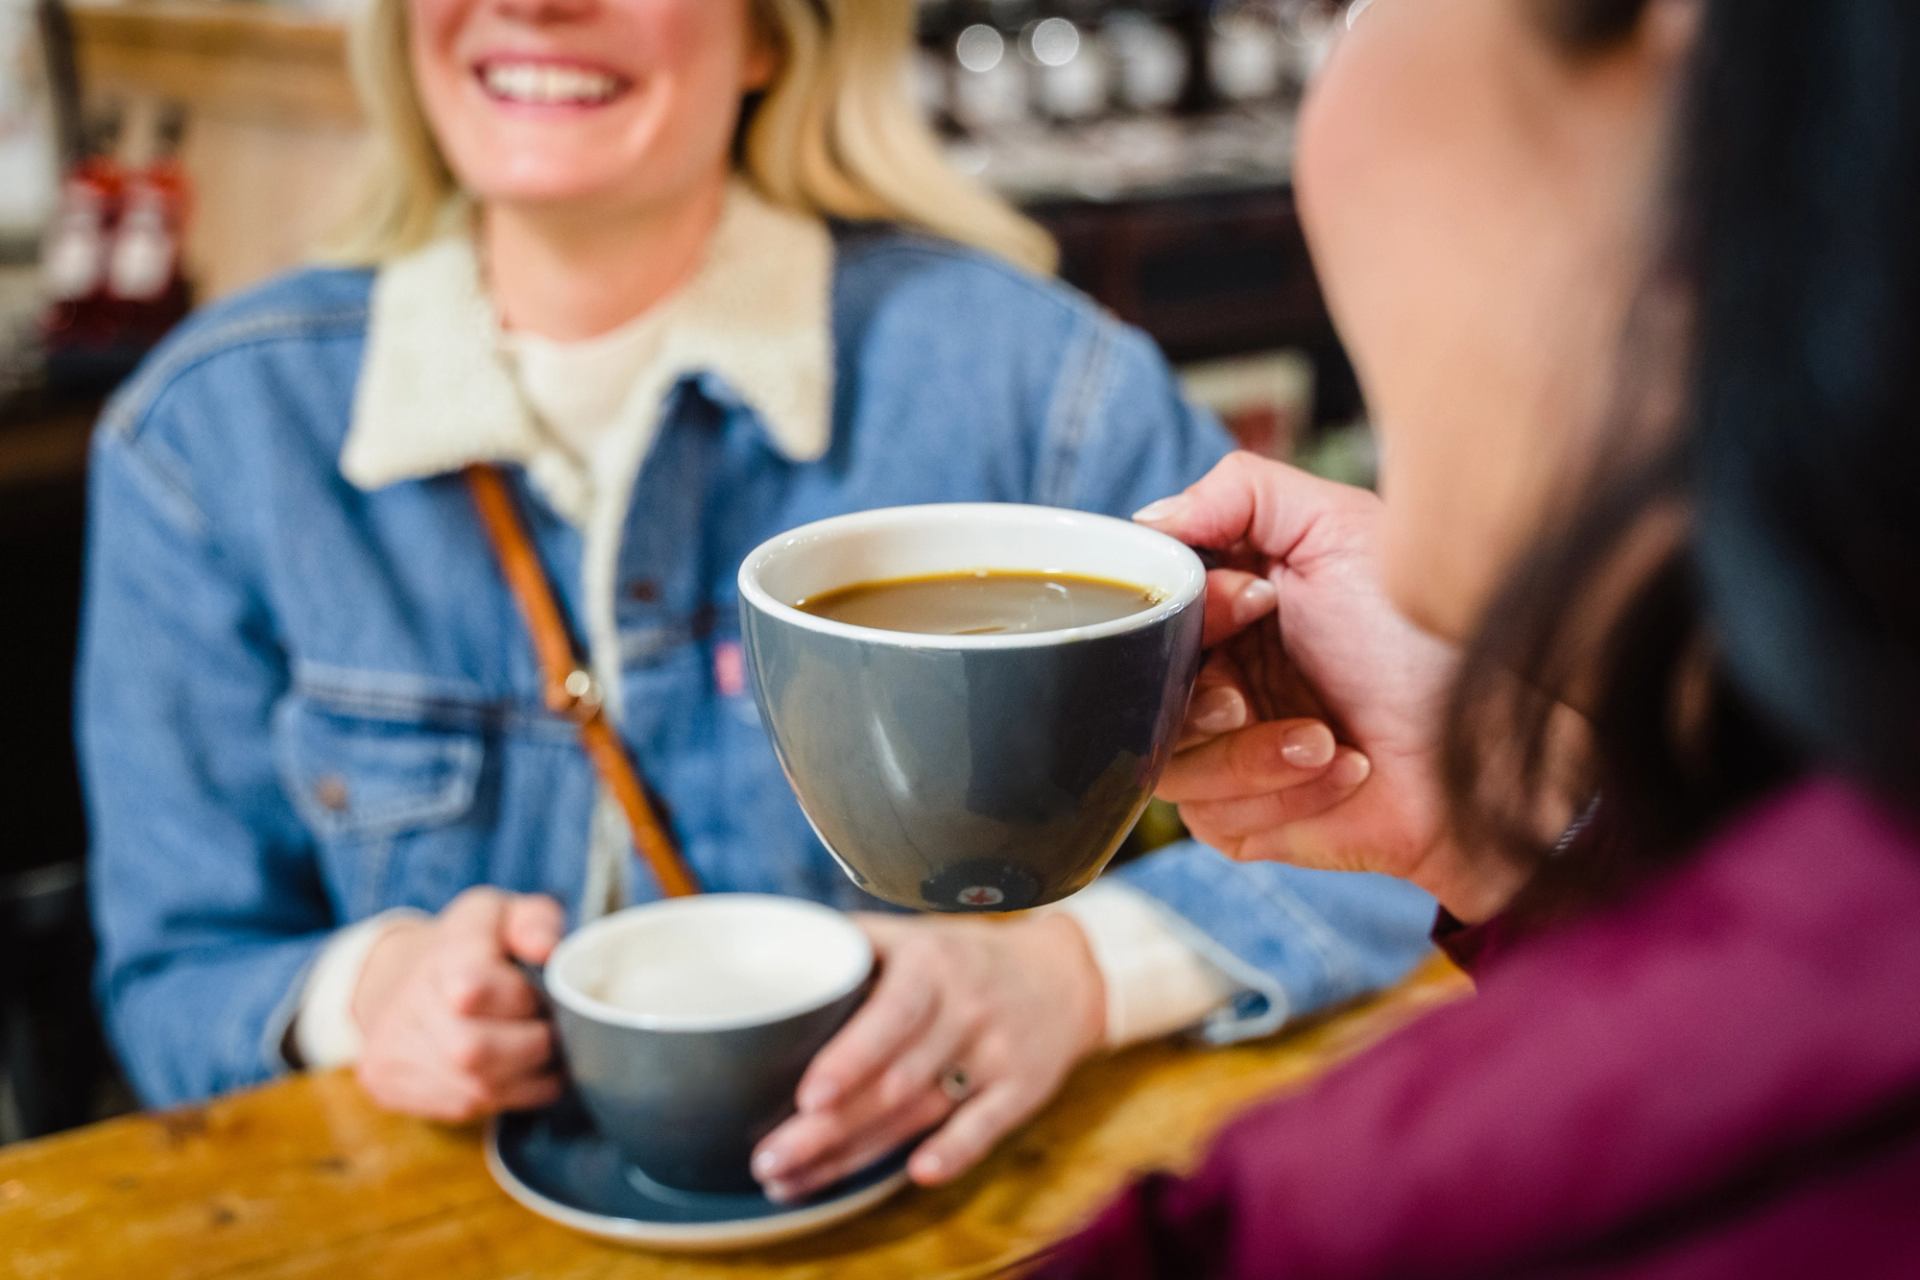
687 1024
971 772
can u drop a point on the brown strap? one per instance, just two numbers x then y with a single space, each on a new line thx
569 688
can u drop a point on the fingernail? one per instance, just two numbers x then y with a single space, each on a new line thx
770 1163
781 1192
928 1168
1310 746
1256 600
1219 710
818 1096
1162 511
1349 771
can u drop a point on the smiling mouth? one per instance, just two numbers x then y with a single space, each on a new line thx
546 84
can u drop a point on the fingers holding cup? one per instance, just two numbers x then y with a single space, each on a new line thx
1271 756
1259 825
978 1124
1219 703
816 1149
905 1001
1236 600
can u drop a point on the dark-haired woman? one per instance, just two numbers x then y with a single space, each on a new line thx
1632 645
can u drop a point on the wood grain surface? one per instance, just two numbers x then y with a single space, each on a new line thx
305 1179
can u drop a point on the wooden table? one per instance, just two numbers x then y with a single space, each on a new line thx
306 1179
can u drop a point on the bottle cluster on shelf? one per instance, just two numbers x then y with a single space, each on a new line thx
1082 99
111 264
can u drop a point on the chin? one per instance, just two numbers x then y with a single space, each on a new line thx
549 190
545 194
1418 585
1416 607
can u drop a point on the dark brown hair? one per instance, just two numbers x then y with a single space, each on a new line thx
1581 24
1738 602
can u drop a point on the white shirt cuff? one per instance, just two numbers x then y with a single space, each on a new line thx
324 1032
1156 983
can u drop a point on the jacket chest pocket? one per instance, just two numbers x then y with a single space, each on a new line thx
380 796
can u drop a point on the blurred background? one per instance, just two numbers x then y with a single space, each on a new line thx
157 155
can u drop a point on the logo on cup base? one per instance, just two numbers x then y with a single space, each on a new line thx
981 884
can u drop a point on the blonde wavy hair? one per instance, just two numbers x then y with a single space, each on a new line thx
835 135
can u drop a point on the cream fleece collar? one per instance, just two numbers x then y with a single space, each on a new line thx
435 394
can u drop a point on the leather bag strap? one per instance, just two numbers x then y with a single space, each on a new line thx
568 688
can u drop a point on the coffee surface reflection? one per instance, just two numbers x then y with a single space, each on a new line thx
982 602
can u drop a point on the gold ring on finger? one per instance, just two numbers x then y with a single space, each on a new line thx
956 1084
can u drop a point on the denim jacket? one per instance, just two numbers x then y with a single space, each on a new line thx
305 700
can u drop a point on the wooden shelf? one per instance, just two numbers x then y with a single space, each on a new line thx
219 59
46 448
274 135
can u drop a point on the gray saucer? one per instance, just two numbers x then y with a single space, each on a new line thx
555 1163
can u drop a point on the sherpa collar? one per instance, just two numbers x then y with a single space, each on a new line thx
435 394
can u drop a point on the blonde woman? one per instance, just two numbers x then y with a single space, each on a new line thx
689 272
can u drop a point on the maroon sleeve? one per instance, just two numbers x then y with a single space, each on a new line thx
1164 1226
1606 1070
1473 947
1438 1150
1161 1227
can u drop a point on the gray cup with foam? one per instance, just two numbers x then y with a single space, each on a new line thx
687 1024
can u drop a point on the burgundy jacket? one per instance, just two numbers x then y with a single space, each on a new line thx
1718 1077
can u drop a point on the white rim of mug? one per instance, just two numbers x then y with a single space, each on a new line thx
1193 584
613 1015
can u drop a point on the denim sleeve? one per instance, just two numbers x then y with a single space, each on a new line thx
1120 435
205 897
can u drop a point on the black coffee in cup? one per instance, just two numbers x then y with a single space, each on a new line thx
972 701
982 602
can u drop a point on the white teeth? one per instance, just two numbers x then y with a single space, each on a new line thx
546 84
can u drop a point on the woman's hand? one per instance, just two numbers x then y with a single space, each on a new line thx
451 1031
1301 636
971 1027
